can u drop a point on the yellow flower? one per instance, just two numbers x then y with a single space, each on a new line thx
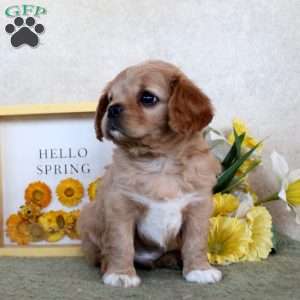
228 240
53 224
38 193
240 128
224 204
30 212
289 184
92 189
70 219
293 193
17 230
260 223
70 192
55 236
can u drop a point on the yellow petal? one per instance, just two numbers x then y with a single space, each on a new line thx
240 127
293 193
260 223
50 221
224 204
55 237
92 189
228 240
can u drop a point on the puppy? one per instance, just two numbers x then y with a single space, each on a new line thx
156 195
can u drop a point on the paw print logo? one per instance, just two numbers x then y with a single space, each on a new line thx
24 33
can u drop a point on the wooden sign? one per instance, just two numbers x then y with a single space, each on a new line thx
51 165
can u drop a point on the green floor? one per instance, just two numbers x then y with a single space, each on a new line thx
70 278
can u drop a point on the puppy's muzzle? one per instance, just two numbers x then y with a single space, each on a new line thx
114 114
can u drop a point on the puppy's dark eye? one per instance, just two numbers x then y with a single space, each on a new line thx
148 99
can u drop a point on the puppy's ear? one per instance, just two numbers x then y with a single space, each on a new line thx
101 109
190 110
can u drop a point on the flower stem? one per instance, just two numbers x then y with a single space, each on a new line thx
268 199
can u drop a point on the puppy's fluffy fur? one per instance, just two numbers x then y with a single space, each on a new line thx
156 195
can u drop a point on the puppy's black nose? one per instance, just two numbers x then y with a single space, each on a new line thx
114 111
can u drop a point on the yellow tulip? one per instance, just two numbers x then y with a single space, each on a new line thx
240 128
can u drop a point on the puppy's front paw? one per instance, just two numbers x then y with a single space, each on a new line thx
204 276
121 280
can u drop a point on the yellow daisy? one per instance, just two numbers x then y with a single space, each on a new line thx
92 189
17 230
70 192
30 212
70 220
53 224
260 223
38 193
240 128
228 240
224 204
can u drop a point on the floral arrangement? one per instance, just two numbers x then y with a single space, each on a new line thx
32 224
241 227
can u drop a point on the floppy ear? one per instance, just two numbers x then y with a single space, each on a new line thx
190 110
101 109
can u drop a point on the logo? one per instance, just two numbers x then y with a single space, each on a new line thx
24 29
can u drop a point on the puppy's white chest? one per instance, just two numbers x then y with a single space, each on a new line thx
162 220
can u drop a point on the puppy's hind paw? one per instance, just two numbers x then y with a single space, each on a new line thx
121 280
204 276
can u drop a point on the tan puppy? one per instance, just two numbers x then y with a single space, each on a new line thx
156 194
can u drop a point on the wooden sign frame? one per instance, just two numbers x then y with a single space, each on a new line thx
19 111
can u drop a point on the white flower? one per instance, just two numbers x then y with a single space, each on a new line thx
217 142
246 203
289 183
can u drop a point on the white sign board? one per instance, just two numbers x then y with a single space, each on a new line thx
47 149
